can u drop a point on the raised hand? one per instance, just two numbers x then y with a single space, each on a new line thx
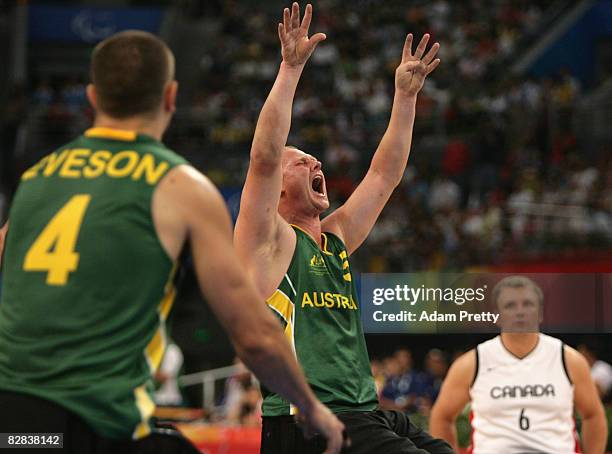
296 46
412 71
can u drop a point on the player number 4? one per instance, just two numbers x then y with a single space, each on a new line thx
53 250
523 420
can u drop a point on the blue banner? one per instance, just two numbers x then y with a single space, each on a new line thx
576 47
88 25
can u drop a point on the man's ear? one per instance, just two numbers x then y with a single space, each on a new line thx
92 96
170 96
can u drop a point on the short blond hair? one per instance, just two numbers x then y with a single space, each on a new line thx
517 282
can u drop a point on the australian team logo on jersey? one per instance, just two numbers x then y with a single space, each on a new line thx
516 391
317 265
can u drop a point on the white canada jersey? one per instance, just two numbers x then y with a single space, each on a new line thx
522 405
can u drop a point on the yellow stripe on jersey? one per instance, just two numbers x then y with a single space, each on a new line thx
283 306
111 133
345 264
167 303
146 407
154 351
325 251
324 242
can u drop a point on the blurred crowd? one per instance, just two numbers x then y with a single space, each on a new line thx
400 384
495 166
405 388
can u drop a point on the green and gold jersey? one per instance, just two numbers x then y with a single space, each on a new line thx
318 306
87 286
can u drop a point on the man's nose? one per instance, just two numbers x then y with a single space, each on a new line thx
317 165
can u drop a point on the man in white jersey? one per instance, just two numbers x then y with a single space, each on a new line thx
523 386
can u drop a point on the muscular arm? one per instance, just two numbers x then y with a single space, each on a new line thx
260 231
454 395
354 220
259 222
256 335
587 402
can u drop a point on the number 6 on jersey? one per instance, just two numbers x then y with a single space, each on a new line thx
53 250
523 420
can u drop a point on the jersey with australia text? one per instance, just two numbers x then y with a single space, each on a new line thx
522 405
87 286
318 307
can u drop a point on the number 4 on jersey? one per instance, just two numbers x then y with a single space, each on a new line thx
53 250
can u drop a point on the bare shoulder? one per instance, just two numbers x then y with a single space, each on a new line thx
577 365
455 391
333 223
248 234
267 260
182 199
464 368
186 180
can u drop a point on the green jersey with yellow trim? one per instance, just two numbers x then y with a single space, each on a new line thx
318 306
87 286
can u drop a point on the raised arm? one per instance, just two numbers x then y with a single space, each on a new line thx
256 335
587 402
453 397
259 224
354 220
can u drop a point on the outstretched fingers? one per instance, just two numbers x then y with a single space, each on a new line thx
286 20
282 34
307 18
420 50
433 65
295 16
407 52
316 39
429 56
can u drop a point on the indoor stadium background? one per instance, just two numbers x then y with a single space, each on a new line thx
510 169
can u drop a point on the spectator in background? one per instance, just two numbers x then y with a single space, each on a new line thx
378 374
436 366
168 393
601 371
248 411
235 387
404 385
242 405
42 96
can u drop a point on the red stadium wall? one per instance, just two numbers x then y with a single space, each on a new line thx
587 262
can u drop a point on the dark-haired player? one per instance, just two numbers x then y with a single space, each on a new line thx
96 229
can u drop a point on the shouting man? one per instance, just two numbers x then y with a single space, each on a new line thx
300 263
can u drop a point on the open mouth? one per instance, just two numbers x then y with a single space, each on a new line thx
317 184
